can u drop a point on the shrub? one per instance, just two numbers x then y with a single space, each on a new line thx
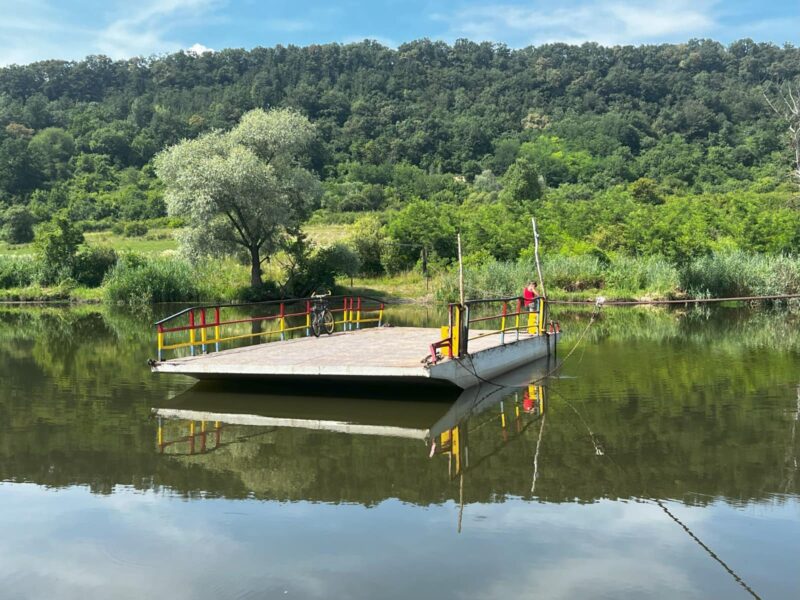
92 264
135 229
339 259
137 280
367 238
17 225
57 243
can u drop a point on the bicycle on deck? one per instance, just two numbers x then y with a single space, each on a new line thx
321 316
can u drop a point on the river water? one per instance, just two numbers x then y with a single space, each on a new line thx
660 461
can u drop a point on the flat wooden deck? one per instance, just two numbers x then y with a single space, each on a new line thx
392 353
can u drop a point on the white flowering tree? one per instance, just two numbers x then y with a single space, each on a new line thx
242 191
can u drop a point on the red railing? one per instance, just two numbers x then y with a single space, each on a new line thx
208 327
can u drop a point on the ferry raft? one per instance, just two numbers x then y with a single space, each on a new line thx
273 340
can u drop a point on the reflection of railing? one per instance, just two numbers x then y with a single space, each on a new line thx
196 439
206 327
509 315
454 442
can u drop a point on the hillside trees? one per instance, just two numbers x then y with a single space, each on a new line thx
245 189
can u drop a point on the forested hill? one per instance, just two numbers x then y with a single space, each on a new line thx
690 116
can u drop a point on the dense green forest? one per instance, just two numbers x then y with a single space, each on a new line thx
667 150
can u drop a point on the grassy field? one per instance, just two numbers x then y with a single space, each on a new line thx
155 241
326 235
159 240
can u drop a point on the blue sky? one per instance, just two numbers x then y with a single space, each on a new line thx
33 30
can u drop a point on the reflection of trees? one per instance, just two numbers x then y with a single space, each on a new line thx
696 414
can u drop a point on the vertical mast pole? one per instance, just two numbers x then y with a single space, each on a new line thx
460 272
536 256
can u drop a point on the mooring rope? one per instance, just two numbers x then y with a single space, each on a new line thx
710 552
536 457
684 301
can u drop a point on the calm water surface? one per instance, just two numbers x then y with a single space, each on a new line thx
660 462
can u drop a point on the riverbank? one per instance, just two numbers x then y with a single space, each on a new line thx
142 278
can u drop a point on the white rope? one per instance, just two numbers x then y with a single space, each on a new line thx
536 457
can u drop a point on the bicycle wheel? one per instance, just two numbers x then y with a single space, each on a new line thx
328 321
316 324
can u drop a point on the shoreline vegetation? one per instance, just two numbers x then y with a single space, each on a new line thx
154 275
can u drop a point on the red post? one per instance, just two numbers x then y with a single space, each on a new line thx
358 313
281 323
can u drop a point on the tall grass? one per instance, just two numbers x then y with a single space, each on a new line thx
576 275
137 280
735 274
18 271
724 275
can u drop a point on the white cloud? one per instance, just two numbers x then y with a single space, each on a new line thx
198 49
145 30
43 29
608 22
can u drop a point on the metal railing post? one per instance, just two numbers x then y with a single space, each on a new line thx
516 320
308 318
465 324
160 342
503 323
203 330
358 314
282 321
216 328
191 332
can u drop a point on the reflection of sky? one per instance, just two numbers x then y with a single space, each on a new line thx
70 543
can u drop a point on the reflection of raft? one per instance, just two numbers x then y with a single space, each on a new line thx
424 419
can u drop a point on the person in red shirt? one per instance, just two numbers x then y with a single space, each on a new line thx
530 297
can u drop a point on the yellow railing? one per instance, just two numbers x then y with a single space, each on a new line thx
206 327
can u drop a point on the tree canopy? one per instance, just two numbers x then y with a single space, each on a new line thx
245 189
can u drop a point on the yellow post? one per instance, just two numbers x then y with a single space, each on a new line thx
203 426
541 315
191 429
532 323
160 435
160 337
455 331
456 449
